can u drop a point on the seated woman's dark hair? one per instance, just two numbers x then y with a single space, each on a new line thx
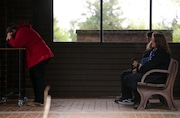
149 34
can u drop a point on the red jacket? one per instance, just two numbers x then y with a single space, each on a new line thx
36 48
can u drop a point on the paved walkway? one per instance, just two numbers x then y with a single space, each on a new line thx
88 108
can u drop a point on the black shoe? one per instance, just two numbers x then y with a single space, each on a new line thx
124 101
118 99
148 104
34 104
136 104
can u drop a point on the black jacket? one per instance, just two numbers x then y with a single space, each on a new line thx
160 61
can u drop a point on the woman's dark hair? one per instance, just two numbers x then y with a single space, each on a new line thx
149 34
11 26
161 42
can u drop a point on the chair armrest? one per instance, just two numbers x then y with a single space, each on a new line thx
153 71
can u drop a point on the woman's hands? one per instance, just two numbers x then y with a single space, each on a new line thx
135 65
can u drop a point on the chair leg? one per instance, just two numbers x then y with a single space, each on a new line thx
144 99
170 103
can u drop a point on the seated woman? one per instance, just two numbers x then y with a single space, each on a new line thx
159 58
126 96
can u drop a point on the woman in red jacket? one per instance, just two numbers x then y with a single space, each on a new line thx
37 56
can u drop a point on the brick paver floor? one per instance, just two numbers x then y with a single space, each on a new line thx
88 108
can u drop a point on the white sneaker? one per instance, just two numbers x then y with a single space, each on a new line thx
126 101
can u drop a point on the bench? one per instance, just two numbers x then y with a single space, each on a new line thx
146 90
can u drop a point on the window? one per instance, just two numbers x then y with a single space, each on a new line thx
166 16
125 20
72 15
114 20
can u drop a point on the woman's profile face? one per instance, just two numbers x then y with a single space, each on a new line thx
153 42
